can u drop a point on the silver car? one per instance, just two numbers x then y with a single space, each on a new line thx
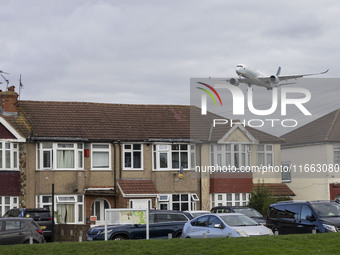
223 225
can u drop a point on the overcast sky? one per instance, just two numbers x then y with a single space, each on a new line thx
146 51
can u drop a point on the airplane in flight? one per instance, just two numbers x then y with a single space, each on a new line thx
251 76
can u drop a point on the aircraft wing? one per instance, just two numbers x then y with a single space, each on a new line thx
241 80
289 77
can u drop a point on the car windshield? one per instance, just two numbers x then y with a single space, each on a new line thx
238 220
330 209
250 212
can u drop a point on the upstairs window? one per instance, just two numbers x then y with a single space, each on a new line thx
9 156
230 155
63 156
173 156
264 155
336 153
133 156
101 156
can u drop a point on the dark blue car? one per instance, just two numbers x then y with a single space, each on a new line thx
161 224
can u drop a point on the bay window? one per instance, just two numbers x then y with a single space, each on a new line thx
69 208
235 155
265 155
63 156
7 203
179 202
229 199
9 155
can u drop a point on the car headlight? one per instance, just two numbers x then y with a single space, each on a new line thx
270 232
329 228
241 233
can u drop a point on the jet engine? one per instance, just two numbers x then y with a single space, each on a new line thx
234 81
274 79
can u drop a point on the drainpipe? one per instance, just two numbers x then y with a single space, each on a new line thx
200 163
114 174
120 159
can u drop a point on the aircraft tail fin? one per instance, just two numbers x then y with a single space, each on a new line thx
278 71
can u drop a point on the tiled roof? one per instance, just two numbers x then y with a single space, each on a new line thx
231 183
132 187
100 121
106 121
279 189
324 129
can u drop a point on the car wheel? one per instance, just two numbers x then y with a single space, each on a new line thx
119 237
178 234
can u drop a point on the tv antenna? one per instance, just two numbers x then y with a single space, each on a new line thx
7 81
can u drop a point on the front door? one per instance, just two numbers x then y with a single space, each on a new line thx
98 209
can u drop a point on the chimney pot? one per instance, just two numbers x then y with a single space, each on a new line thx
11 88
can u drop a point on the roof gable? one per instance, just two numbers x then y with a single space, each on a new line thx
237 134
8 132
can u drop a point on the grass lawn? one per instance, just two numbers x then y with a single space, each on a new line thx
289 244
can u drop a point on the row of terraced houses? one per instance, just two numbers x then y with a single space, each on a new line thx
102 156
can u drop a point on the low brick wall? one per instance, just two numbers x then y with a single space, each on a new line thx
70 232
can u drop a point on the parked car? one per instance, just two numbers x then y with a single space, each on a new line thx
223 225
222 209
195 214
19 231
251 213
291 217
40 215
161 223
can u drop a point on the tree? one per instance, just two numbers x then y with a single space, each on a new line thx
261 198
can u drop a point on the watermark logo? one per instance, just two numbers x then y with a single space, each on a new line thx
204 96
239 99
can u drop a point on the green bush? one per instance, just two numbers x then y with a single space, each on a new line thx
261 198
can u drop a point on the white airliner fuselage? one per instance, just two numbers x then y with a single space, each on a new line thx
251 76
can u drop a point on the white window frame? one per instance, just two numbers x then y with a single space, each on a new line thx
219 152
163 198
94 150
132 150
7 203
229 199
78 149
167 150
286 175
13 149
77 200
192 200
336 150
266 153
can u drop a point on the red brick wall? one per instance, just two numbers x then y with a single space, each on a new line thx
5 134
8 101
334 190
9 183
89 199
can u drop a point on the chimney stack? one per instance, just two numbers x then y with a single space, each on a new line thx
8 101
